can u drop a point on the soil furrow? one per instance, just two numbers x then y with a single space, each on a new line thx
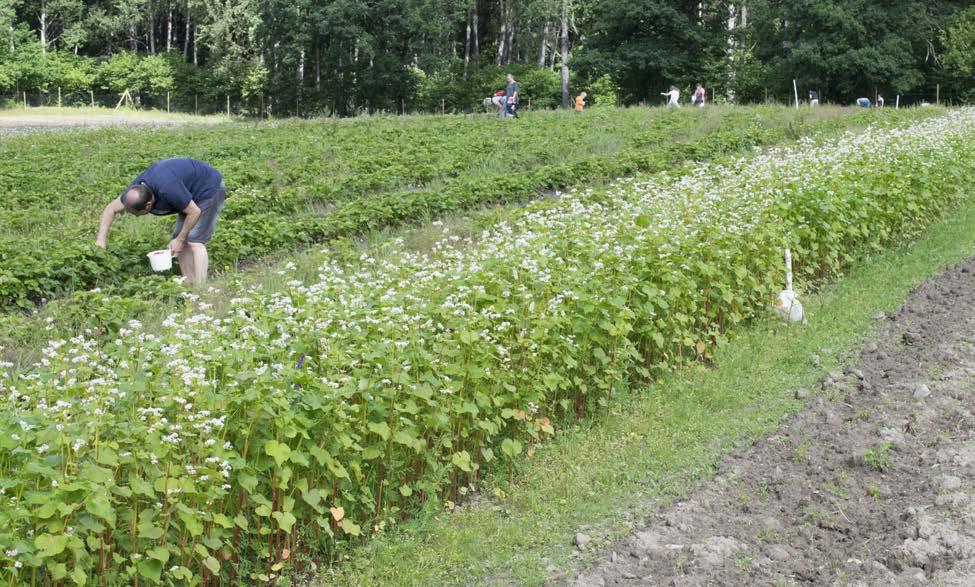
871 484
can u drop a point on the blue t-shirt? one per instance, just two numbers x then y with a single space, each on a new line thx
177 182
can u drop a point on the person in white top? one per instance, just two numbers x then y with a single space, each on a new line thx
673 97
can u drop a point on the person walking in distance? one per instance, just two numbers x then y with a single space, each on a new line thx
673 97
188 187
511 97
581 102
699 94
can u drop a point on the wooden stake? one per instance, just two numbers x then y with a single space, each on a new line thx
91 95
898 105
167 101
403 106
443 106
196 103
59 96
25 99
937 95
795 89
228 105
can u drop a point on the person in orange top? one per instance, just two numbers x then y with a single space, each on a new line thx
581 101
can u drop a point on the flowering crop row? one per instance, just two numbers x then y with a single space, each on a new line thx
230 448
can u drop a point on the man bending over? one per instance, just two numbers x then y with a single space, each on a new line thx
187 187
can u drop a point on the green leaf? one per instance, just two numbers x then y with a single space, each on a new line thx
51 544
511 447
350 528
278 450
380 428
191 523
100 505
462 460
150 532
78 576
320 454
107 456
151 569
405 490
212 564
286 520
312 497
223 521
160 553
248 482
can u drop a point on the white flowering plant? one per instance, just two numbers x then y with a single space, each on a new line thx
217 449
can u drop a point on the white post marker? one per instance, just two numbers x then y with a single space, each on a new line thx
898 106
788 306
788 270
795 89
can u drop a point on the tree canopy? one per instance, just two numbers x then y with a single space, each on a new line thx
348 56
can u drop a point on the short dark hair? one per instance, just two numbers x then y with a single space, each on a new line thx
141 201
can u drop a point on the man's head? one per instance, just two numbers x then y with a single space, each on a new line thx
138 199
510 78
584 95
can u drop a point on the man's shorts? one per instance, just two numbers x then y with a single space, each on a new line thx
210 209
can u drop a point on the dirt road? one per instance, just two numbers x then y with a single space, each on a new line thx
22 122
872 484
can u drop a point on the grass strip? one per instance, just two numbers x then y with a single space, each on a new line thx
656 442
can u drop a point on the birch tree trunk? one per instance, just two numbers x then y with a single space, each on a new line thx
467 43
186 35
543 44
565 53
169 27
152 28
42 22
318 68
477 42
503 34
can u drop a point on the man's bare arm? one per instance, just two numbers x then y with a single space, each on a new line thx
192 215
108 215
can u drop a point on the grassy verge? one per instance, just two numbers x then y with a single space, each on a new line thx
655 443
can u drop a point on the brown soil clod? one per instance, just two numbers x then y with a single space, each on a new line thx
871 484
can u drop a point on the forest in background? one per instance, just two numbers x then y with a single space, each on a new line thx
346 57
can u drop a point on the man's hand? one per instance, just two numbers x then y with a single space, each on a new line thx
176 245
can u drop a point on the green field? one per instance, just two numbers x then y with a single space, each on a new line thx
302 182
312 404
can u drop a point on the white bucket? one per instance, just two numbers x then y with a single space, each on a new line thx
161 260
